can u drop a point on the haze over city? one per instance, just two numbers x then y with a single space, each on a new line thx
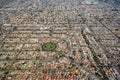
59 40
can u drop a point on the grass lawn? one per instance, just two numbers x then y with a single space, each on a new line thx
48 46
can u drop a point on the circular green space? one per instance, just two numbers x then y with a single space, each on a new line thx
49 46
